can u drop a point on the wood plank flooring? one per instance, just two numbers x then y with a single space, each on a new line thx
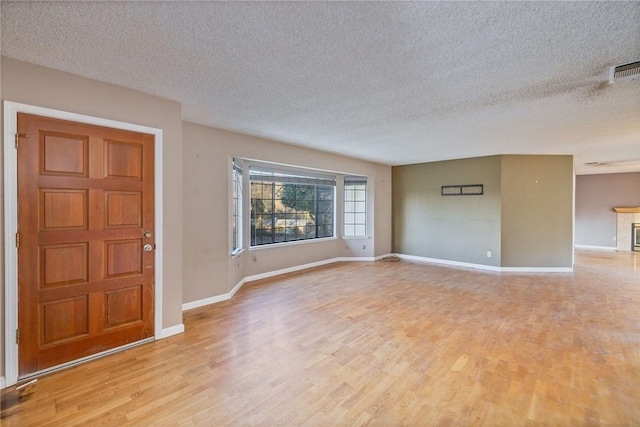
377 344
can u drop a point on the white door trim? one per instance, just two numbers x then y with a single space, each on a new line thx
11 110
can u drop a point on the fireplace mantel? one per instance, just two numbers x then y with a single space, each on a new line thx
627 210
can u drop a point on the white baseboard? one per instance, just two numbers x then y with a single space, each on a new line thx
173 330
287 270
448 262
536 269
205 301
486 267
237 287
224 297
311 265
361 258
215 299
595 248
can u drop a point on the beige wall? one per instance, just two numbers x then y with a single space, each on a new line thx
596 196
454 228
209 270
537 211
525 217
43 87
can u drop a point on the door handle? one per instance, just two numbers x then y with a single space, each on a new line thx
147 248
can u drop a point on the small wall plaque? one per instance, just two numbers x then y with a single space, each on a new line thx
462 190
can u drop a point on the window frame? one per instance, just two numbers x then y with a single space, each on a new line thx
285 224
236 207
355 209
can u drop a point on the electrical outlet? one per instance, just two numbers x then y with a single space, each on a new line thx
254 258
488 254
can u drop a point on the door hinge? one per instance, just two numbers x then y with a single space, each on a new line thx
17 240
18 136
17 336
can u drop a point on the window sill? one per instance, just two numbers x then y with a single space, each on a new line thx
292 243
236 253
356 237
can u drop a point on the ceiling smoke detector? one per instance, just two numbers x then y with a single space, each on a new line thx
630 71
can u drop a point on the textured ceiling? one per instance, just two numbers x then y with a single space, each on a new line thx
392 82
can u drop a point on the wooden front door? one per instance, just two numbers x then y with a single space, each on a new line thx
85 215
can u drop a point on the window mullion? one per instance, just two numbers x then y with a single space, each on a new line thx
273 212
315 209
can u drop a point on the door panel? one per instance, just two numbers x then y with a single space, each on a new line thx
85 199
123 209
123 160
63 154
64 319
63 209
64 264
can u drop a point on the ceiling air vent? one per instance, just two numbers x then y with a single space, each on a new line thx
628 71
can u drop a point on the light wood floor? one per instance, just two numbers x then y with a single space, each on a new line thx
377 344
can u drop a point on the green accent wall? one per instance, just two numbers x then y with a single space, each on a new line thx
537 211
524 218
455 228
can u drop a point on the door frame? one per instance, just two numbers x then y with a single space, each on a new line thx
10 124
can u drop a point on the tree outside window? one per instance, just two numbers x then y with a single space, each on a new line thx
287 207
